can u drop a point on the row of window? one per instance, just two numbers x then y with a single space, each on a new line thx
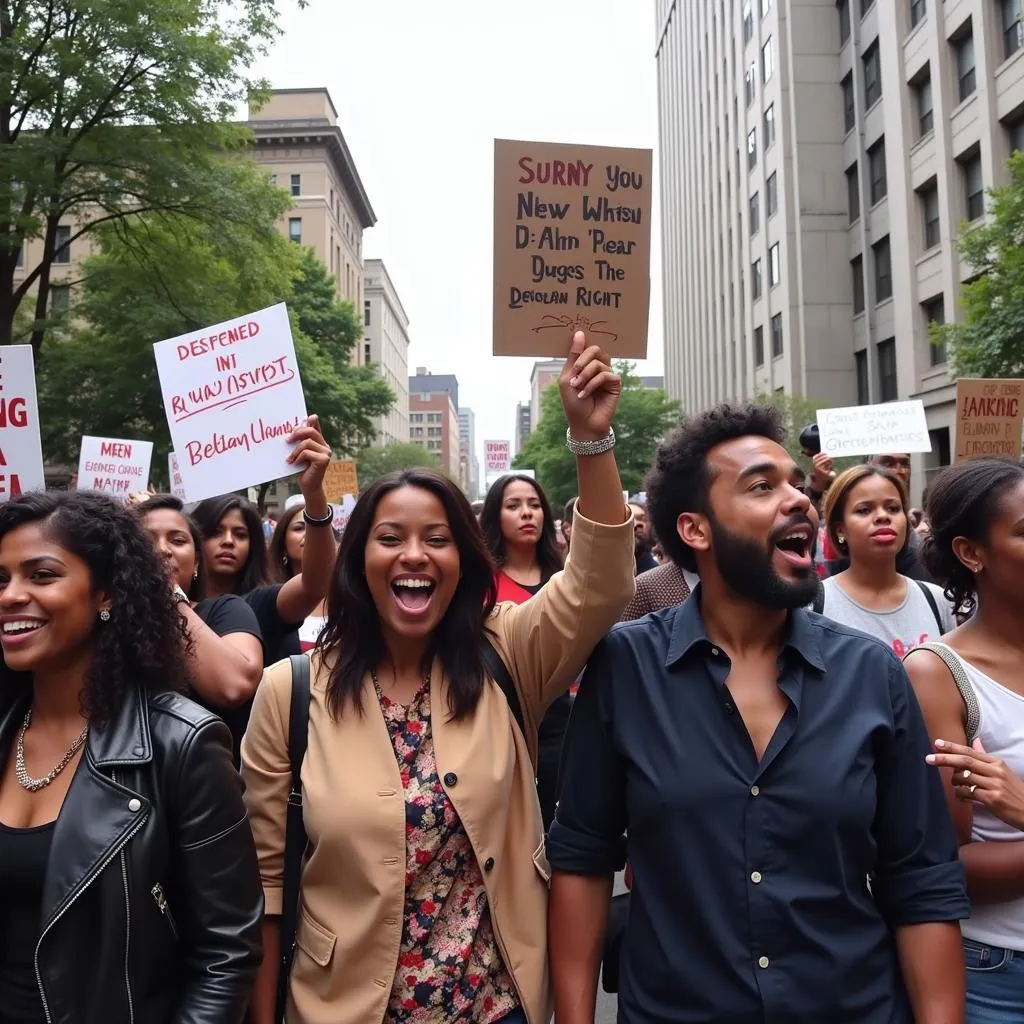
774 272
750 75
748 16
775 329
769 136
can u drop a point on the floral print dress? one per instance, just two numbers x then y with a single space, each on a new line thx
449 965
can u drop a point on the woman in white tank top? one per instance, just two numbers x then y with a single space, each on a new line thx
971 689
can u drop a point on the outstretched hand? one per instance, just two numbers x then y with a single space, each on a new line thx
589 389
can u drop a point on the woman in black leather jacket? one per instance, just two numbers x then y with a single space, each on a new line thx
129 891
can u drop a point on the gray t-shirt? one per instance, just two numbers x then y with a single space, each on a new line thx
903 628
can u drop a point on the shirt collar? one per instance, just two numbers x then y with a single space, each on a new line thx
802 634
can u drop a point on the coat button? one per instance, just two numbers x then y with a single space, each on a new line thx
138 751
450 778
489 864
134 804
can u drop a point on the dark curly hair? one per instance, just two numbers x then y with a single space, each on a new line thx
964 501
548 556
208 515
679 480
145 643
196 589
352 635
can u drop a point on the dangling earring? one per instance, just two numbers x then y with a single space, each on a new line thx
195 575
105 615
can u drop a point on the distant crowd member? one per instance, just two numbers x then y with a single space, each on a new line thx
792 853
642 533
567 514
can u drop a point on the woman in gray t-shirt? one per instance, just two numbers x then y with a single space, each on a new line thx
865 512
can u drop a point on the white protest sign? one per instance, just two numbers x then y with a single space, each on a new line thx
21 452
342 512
114 466
874 429
498 456
232 396
174 474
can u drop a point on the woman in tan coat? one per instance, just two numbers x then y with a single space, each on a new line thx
424 891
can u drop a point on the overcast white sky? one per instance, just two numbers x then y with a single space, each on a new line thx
422 90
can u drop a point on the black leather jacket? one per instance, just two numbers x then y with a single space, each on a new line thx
152 900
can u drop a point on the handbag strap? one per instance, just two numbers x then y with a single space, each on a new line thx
295 839
963 684
932 603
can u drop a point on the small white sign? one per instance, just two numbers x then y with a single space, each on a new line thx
232 396
498 456
884 429
114 466
21 451
174 473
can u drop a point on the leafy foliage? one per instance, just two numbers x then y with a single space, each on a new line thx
375 462
990 340
111 110
643 418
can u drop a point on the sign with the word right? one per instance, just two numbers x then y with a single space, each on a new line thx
989 416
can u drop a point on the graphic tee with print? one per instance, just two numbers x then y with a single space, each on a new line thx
903 628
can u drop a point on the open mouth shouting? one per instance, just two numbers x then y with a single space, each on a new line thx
413 593
796 545
18 629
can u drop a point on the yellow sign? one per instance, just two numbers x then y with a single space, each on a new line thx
340 479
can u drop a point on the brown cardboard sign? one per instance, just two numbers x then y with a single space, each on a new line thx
572 247
340 479
989 414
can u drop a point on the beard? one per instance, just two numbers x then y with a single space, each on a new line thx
747 569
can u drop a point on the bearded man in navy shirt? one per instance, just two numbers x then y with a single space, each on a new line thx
793 857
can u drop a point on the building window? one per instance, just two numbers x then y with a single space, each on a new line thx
273 179
849 108
887 389
366 353
930 214
755 213
755 279
1012 38
918 9
865 6
934 311
759 346
965 66
843 10
974 187
748 21
769 127
771 190
883 270
767 61
857 272
366 314
1015 133
876 169
750 83
60 299
751 149
925 111
62 244
860 360
853 193
766 6
774 266
872 75
776 335
296 184
295 229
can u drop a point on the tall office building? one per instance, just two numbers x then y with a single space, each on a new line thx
386 343
469 462
817 160
524 425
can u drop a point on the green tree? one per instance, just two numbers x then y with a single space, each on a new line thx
990 340
111 110
375 462
796 413
643 418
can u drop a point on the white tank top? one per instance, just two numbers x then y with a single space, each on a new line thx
1001 730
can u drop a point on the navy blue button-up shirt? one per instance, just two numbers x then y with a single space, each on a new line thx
764 892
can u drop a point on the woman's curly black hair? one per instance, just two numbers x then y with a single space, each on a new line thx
679 480
145 643
964 501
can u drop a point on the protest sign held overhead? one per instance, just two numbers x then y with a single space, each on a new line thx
174 473
21 452
989 415
114 466
232 396
572 247
874 429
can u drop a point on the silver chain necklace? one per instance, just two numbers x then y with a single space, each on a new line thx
21 772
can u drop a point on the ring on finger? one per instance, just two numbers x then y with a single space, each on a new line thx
971 788
967 774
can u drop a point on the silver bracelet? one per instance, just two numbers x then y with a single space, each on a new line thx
605 444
